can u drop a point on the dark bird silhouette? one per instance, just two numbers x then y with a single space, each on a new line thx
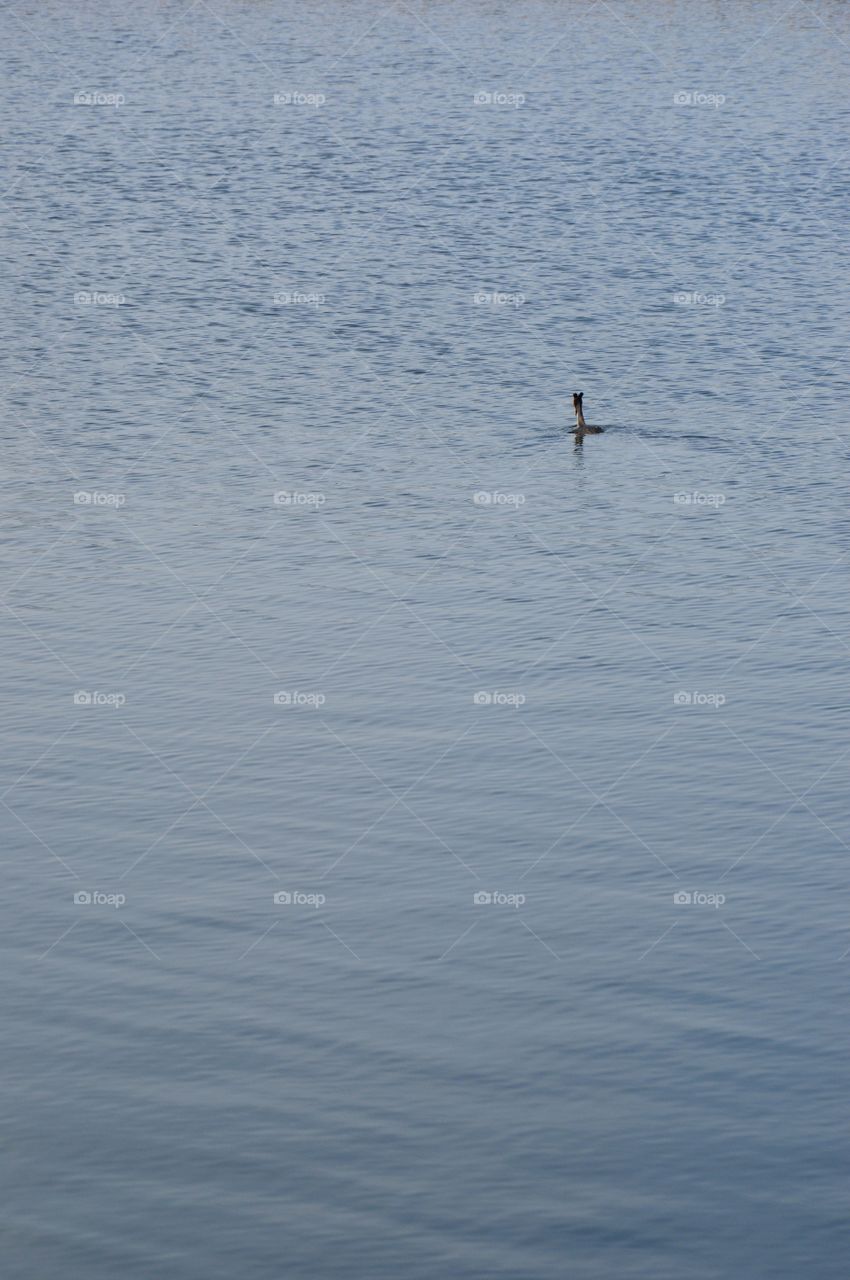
582 428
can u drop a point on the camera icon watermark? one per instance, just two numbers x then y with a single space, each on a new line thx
497 698
94 898
292 498
297 698
482 898
497 98
95 498
82 698
684 899
696 498
287 898
696 98
684 698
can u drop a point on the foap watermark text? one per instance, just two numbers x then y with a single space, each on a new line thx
294 898
292 498
497 98
96 298
95 898
682 898
684 698
97 98
497 298
483 898
297 98
96 498
298 298
495 498
497 698
696 498
697 98
83 698
685 298
298 698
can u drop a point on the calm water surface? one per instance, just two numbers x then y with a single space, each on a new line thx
575 695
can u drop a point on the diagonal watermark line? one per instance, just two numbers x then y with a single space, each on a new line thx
42 642
396 801
160 760
167 631
238 760
797 799
257 941
752 646
238 838
599 800
642 642
540 940
163 635
37 837
741 940
44 444
37 37
329 529
400 799
138 939
380 18
570 31
245 445
359 839
618 779
640 40
199 799
376 621
784 815
657 940
199 600
399 599
183 16
800 599
339 939
613 813
765 34
598 597
465 934
236 36
435 34
457 657
796 599
162 836
38 561
170 430
58 940
37 762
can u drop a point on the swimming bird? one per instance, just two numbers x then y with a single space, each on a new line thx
582 428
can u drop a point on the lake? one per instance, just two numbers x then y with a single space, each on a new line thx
425 852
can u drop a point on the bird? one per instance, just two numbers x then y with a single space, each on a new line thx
582 428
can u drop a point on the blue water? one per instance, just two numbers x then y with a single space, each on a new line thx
616 677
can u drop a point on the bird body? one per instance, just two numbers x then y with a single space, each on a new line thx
581 428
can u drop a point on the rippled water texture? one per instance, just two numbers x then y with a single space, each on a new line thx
543 748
